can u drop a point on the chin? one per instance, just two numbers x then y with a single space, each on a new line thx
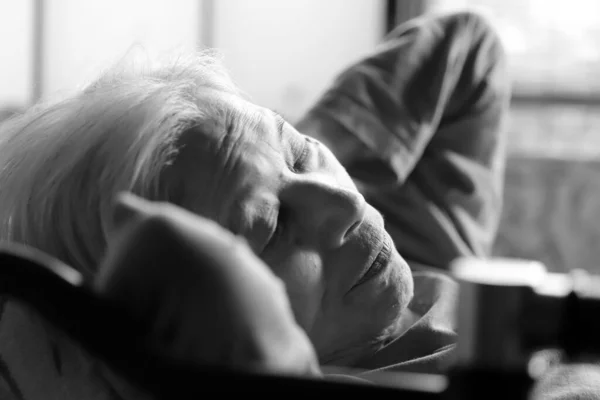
368 318
395 302
385 298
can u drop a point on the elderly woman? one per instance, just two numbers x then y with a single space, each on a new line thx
411 135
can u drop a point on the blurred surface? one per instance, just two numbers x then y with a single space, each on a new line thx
285 53
552 195
282 53
83 37
552 212
553 45
16 47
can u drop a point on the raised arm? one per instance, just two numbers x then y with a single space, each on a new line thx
419 125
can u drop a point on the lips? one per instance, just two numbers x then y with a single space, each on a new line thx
381 261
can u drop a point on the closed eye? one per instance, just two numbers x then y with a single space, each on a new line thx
301 161
278 230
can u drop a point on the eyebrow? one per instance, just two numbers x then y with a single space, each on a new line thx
280 121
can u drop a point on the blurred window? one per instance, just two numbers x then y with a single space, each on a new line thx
553 48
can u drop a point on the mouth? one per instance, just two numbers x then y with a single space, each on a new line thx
379 264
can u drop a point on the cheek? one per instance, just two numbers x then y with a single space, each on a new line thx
302 274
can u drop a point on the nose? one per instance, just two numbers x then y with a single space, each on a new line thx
326 213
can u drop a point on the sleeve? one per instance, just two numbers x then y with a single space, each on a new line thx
418 124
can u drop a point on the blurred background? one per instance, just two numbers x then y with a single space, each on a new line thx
285 52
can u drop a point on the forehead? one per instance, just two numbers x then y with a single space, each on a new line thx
234 154
245 136
234 122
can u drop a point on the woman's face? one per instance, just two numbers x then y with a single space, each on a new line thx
298 209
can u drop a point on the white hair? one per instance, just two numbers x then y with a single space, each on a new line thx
62 163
